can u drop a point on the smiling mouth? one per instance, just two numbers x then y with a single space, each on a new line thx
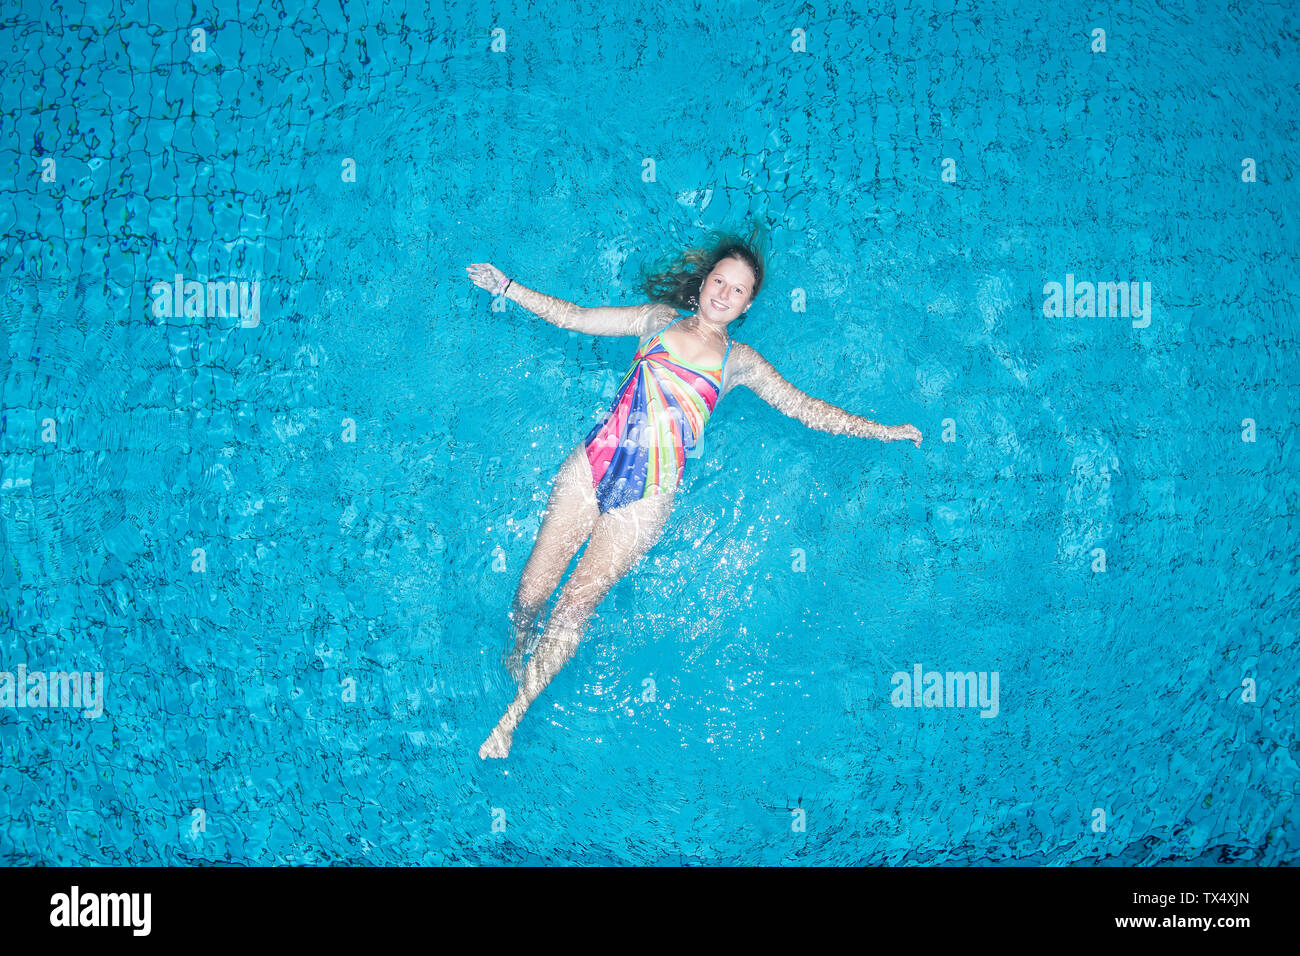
717 305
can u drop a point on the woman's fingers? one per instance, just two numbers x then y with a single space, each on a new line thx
483 274
907 433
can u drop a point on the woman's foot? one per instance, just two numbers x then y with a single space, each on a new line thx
497 744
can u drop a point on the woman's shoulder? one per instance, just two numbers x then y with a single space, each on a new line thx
746 365
667 313
739 362
659 315
742 354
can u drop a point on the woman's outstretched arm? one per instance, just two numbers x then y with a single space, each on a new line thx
638 320
757 374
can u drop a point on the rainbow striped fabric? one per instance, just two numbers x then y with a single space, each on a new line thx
660 409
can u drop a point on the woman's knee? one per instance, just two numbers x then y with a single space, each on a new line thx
541 573
528 601
577 602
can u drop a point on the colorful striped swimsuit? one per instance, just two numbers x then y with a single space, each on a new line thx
662 404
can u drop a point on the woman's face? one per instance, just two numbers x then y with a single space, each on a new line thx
727 291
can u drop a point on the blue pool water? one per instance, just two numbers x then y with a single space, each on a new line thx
182 511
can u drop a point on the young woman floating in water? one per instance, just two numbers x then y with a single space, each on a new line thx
616 488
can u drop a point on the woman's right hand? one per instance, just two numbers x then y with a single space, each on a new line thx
904 433
486 276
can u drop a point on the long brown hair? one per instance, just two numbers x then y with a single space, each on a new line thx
676 279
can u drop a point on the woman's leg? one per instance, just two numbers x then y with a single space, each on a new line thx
571 513
618 541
